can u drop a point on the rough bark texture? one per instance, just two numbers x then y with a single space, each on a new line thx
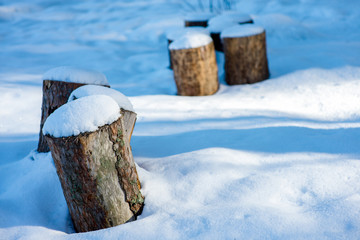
55 94
189 23
98 177
195 70
246 59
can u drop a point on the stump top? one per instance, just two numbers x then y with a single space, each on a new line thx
242 31
199 16
89 90
176 33
86 114
193 40
75 75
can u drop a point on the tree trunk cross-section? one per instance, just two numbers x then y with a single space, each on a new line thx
246 59
98 176
195 70
55 94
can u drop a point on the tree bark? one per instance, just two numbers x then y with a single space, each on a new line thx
246 59
55 94
195 70
98 175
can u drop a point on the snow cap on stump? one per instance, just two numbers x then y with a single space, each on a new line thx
242 31
86 114
176 33
193 40
89 90
220 24
75 75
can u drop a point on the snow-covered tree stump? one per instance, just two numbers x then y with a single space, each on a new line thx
245 54
194 64
219 23
177 33
199 19
58 83
93 159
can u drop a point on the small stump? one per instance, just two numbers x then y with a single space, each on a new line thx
194 64
58 83
245 54
177 33
94 163
199 19
219 23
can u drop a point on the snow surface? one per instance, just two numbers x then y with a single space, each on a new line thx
198 16
89 90
191 40
76 75
85 114
220 24
230 16
241 31
279 159
179 32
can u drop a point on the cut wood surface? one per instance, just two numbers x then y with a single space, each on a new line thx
195 70
55 94
245 59
98 175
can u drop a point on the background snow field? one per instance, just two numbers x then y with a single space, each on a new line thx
278 159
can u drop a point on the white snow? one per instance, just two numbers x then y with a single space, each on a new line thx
230 16
191 40
241 31
220 24
279 159
89 90
198 16
85 114
76 75
179 32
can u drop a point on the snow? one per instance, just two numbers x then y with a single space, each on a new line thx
191 40
89 90
85 114
220 24
198 16
230 16
75 75
179 32
241 31
279 159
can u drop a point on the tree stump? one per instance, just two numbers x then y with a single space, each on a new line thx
194 64
177 33
219 23
58 84
199 19
245 54
96 169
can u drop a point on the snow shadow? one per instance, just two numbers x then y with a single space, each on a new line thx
15 148
266 139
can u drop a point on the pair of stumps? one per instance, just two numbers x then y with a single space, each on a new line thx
92 154
195 68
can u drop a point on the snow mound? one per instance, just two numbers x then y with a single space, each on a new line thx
86 114
242 31
177 33
89 90
75 75
192 40
199 16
